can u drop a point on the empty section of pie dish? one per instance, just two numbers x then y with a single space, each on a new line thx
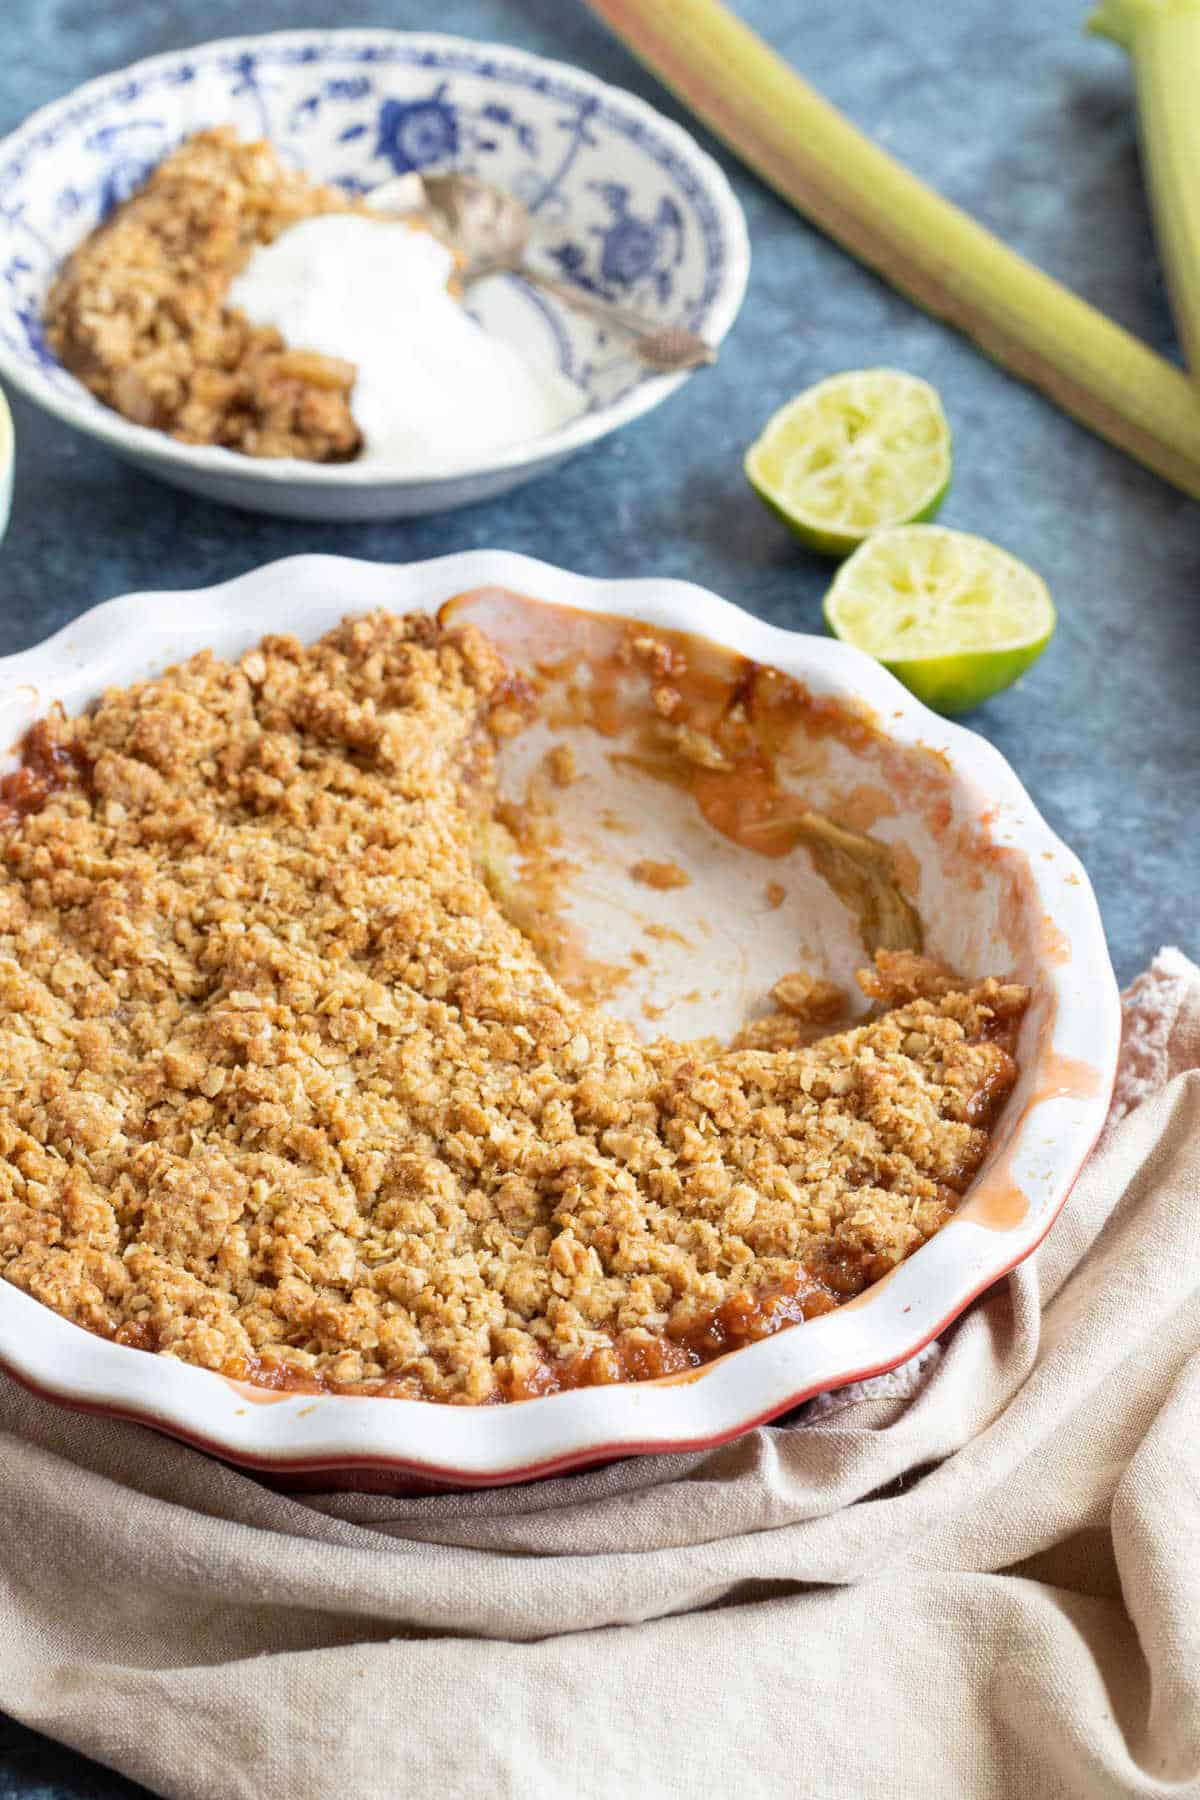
624 204
997 892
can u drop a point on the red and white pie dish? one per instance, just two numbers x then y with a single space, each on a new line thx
997 891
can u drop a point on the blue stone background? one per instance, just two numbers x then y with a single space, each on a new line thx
1010 111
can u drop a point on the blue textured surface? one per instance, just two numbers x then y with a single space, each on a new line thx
1011 112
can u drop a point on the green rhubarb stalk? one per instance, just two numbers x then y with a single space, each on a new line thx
1163 41
919 242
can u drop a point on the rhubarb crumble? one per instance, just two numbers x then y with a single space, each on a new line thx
139 311
232 301
284 1093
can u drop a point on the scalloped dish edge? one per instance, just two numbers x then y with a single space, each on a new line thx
360 1441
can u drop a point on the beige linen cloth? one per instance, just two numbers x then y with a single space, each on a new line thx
978 1577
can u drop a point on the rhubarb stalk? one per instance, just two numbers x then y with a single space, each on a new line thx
919 242
1163 41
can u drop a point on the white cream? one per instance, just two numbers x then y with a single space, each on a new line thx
432 385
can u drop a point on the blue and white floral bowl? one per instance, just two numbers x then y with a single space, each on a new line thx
625 204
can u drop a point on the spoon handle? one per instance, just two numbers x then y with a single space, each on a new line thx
638 323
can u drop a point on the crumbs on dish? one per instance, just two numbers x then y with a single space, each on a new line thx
284 1093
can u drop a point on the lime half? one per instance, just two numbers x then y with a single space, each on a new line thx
954 617
853 455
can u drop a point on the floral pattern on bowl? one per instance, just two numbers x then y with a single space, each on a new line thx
624 202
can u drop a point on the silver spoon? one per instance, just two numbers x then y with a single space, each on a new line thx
490 230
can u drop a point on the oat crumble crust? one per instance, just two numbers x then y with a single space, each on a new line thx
138 311
284 1094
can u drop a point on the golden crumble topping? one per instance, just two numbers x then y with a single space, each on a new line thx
138 311
283 1093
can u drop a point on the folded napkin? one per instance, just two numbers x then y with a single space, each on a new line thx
980 1575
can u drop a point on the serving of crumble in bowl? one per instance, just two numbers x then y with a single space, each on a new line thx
464 1020
624 203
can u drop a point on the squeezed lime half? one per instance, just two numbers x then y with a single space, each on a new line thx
853 455
954 617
